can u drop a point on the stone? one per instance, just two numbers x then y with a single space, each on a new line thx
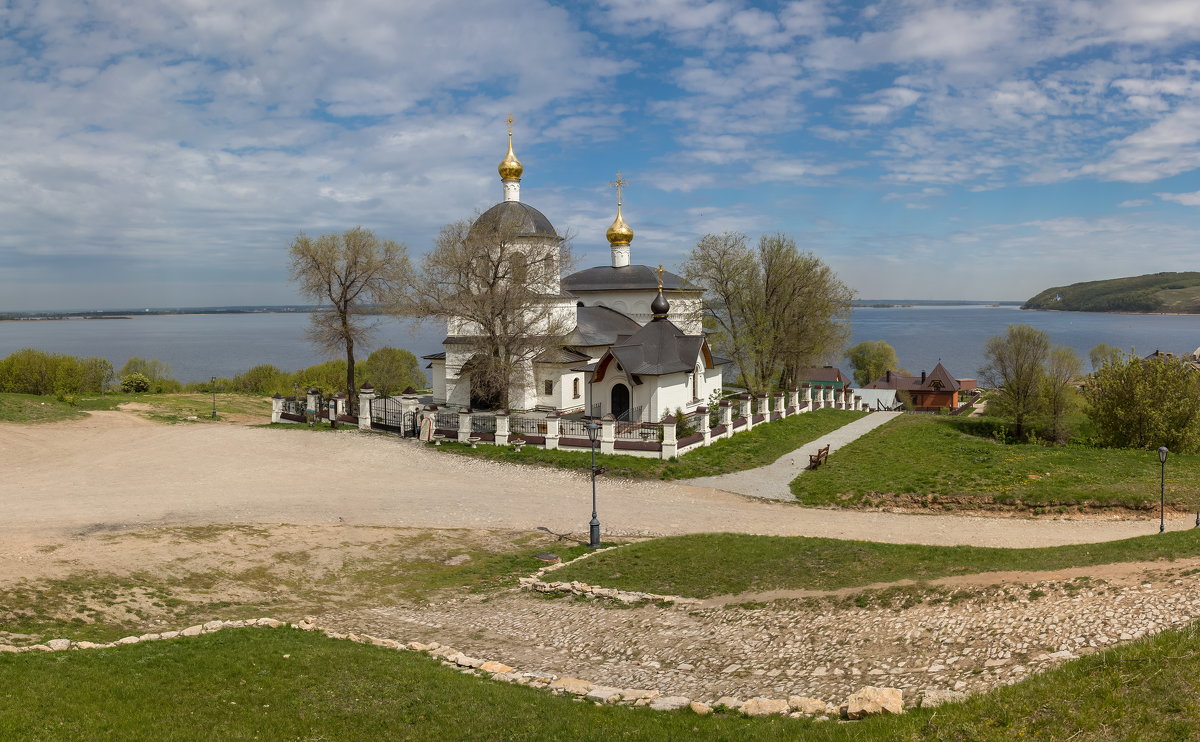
417 646
870 701
572 685
764 707
495 667
730 702
936 697
995 663
670 703
685 667
150 637
463 660
168 635
638 694
603 694
59 645
192 631
385 643
214 625
807 706
129 640
700 708
78 645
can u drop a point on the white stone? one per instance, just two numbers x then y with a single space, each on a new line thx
764 707
871 700
670 703
59 645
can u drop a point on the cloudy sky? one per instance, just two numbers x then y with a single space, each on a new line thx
165 154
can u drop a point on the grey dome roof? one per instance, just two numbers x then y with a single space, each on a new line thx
513 218
607 278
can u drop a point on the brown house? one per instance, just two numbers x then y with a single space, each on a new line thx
928 392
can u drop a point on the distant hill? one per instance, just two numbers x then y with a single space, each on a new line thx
1157 292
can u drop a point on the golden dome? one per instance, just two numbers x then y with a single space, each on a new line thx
510 167
619 233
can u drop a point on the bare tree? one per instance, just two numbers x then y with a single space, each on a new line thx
346 274
1016 366
775 309
499 289
1063 369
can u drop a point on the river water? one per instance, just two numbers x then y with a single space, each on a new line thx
204 345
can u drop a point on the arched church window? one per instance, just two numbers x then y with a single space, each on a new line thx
575 387
696 382
549 386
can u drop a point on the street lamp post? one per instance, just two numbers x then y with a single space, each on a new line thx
1162 489
593 432
214 391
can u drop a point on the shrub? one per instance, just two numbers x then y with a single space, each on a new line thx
135 383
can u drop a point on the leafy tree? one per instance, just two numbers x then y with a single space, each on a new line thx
28 371
774 308
1015 366
135 382
345 274
328 377
261 379
1146 403
1104 354
499 288
97 374
392 370
1063 369
872 359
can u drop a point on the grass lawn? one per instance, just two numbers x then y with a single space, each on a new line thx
283 684
703 565
932 461
31 408
758 447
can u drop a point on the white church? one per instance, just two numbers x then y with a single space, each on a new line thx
636 350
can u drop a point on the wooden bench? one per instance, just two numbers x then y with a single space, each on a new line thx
818 458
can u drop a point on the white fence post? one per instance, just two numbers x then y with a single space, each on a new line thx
365 396
552 428
276 407
502 428
608 434
727 418
464 426
670 444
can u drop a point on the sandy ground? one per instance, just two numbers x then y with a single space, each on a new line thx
115 471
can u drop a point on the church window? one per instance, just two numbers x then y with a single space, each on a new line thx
696 384
549 386
575 388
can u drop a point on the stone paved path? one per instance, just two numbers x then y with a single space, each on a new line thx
772 481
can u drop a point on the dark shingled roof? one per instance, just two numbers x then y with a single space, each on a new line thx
828 374
561 355
435 356
607 278
600 326
945 380
513 218
658 348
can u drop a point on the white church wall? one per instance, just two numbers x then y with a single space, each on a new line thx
685 306
438 372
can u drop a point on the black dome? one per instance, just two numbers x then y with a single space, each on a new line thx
513 218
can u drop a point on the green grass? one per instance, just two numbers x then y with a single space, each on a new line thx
171 408
748 450
703 565
283 684
936 461
31 408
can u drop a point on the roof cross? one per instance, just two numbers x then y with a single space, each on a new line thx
660 271
509 121
618 184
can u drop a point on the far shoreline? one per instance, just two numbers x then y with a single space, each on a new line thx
1127 314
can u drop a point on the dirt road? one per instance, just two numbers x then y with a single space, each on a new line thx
115 470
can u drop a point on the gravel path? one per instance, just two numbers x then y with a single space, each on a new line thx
773 481
115 471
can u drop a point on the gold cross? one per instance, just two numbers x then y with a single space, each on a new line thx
660 271
618 183
509 121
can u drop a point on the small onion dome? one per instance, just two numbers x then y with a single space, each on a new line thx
367 387
660 306
510 167
619 233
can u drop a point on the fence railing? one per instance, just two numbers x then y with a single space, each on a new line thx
638 431
527 426
446 420
483 423
572 428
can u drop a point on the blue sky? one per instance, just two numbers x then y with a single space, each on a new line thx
166 154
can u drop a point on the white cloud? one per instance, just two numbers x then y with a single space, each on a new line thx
1187 199
1133 203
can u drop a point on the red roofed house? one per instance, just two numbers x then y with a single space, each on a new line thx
929 392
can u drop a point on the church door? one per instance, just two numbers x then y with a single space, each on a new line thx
620 401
